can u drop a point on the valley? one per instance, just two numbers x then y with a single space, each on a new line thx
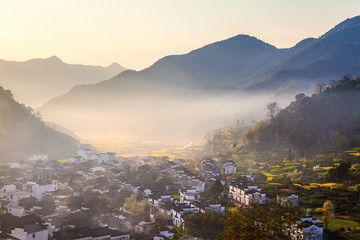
237 139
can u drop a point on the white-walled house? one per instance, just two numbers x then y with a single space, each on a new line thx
85 151
188 194
36 231
101 190
254 196
18 165
292 198
7 189
157 199
39 188
246 194
39 157
310 228
249 176
15 197
16 211
76 159
106 157
179 212
205 205
229 167
196 183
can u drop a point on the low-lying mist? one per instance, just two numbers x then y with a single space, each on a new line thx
137 123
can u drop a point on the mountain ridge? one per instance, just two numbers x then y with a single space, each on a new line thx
32 81
230 69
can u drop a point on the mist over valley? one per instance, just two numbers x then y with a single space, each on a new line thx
188 96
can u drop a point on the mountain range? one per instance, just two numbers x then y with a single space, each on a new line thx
198 91
35 81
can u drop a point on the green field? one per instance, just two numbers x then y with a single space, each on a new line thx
337 223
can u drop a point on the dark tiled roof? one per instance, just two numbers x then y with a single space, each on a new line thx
8 220
202 204
87 232
36 227
252 191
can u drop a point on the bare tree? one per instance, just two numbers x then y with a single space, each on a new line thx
273 109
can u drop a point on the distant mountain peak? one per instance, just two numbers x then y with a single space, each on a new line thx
54 58
242 40
115 65
348 23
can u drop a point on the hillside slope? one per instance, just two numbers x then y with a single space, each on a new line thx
22 133
329 119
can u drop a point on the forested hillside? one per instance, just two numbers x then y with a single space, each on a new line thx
328 120
22 132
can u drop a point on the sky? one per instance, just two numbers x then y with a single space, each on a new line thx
136 33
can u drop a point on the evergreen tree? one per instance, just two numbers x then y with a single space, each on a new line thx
181 232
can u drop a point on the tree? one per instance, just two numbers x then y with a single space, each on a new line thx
290 155
215 189
338 140
340 172
241 225
161 217
320 88
206 225
328 208
181 232
299 96
273 109
294 176
140 210
257 223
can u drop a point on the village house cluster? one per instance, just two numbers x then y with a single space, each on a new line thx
82 197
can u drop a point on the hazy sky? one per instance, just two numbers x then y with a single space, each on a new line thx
135 33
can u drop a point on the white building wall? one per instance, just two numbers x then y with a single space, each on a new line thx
22 235
38 157
39 190
16 211
42 235
19 233
5 190
15 197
